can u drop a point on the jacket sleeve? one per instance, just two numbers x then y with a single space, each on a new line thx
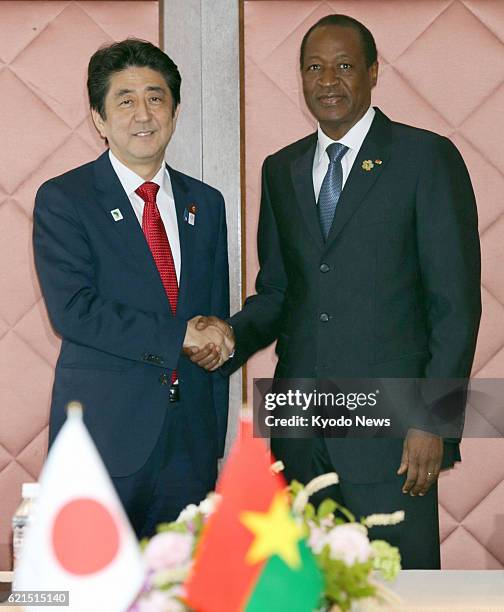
449 257
66 265
257 324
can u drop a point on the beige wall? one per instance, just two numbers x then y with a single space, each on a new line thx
440 69
44 50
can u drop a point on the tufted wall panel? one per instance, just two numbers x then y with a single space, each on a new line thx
441 68
44 50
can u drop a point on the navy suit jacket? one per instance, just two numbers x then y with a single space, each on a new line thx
105 298
394 292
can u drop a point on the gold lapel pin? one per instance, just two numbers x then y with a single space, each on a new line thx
367 165
378 161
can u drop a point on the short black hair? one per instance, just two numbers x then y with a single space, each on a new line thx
367 39
120 55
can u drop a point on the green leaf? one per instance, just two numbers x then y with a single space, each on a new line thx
327 507
176 527
143 543
386 559
295 487
309 512
343 583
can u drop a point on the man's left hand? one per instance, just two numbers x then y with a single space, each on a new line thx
421 459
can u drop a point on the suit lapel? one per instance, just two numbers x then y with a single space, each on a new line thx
111 196
376 146
183 201
302 179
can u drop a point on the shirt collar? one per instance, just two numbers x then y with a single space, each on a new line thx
353 139
130 180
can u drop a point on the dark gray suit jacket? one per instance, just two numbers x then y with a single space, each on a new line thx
395 290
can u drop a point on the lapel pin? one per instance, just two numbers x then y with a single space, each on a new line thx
190 214
378 161
367 165
116 214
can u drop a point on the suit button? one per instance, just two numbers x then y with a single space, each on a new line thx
324 317
163 379
324 268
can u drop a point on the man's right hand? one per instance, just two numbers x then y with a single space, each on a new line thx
208 342
210 356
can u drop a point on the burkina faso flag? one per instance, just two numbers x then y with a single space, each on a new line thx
252 556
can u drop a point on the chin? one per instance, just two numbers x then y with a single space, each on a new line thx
336 118
337 113
146 152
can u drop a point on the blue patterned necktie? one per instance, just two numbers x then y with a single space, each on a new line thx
332 186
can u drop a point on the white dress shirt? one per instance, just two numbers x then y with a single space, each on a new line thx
353 139
164 200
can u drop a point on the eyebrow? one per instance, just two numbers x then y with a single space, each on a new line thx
316 56
156 88
125 92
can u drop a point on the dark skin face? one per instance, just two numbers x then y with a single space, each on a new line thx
337 83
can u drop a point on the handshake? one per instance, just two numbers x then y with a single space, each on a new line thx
209 341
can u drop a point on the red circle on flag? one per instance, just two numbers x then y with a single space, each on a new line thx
85 536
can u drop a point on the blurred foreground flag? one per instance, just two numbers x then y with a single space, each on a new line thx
252 555
80 539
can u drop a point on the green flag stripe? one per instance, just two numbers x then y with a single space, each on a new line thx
281 588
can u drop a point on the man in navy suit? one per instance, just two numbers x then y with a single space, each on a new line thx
128 252
370 268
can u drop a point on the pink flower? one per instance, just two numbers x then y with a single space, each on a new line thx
168 550
317 538
349 543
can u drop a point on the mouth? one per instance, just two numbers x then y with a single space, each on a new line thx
330 99
144 133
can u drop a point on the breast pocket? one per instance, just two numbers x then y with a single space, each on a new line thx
376 211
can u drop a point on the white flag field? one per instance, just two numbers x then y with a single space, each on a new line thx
80 539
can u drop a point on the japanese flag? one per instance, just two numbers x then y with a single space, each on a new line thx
80 539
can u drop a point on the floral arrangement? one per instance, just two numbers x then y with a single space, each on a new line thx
340 544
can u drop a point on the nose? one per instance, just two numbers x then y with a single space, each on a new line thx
142 111
328 76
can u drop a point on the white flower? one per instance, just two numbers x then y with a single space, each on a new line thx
349 543
384 519
277 467
168 550
188 514
208 505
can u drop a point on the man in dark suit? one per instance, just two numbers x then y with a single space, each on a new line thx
128 251
369 268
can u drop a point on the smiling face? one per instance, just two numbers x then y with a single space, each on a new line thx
139 119
336 81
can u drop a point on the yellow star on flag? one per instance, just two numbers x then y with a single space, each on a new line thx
275 532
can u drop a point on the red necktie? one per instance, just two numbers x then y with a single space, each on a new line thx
155 234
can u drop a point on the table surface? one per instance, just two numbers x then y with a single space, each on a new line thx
447 591
428 591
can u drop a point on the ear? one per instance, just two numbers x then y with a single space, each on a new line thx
99 122
373 74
